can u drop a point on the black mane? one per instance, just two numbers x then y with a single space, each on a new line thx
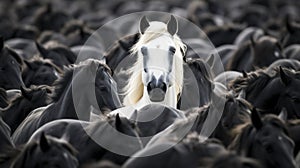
61 83
38 61
257 80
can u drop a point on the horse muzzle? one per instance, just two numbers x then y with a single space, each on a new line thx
157 91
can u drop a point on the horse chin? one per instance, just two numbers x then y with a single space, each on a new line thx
157 95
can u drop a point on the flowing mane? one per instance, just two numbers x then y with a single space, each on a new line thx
63 82
133 91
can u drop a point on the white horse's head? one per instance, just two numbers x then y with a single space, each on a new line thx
160 61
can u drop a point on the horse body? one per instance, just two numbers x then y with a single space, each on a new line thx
46 151
84 136
66 106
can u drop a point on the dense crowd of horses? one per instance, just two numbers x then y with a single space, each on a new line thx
40 126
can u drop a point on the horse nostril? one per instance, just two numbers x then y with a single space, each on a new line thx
163 86
150 86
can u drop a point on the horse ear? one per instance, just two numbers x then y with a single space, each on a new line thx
44 144
93 66
284 77
43 51
255 118
134 116
1 43
28 64
118 122
283 114
172 25
124 44
210 60
144 24
242 94
26 93
245 75
81 32
288 25
252 41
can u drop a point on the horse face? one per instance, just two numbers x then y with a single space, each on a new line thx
157 75
10 70
40 75
50 153
274 147
291 97
236 112
266 51
106 90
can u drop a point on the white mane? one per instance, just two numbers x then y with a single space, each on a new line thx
133 91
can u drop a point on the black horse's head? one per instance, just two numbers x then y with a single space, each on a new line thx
267 140
40 72
290 96
266 50
21 106
292 33
58 53
47 152
106 88
236 112
202 72
10 68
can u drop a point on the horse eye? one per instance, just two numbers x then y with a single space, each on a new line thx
268 148
103 89
276 54
172 50
13 62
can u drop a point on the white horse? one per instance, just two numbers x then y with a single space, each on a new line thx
157 75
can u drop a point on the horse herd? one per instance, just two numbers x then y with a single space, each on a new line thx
50 116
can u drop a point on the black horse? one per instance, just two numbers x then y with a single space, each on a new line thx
258 53
271 93
120 50
46 151
203 75
40 71
189 152
59 54
154 118
266 140
73 97
236 112
291 34
21 106
10 68
86 136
